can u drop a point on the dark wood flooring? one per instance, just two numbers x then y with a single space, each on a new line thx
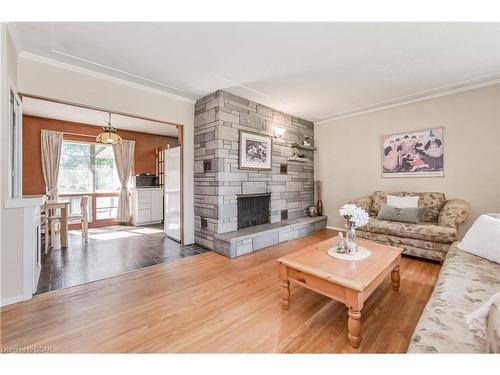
110 251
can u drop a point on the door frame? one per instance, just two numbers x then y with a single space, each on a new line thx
180 137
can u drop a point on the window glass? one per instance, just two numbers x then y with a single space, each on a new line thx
106 207
87 168
75 171
106 176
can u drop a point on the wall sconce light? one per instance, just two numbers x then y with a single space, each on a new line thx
278 132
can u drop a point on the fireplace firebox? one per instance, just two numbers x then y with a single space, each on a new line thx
253 209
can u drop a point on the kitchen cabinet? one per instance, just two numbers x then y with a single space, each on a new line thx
147 206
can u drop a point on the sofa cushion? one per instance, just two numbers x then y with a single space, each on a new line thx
404 242
402 202
465 282
413 215
483 238
413 250
432 202
424 231
380 197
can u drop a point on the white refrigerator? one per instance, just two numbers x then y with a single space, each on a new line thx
172 186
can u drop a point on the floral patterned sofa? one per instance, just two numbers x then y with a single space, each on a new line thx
465 282
430 239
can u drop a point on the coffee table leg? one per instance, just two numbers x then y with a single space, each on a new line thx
285 287
285 294
354 326
395 277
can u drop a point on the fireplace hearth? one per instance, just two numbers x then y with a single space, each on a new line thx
253 209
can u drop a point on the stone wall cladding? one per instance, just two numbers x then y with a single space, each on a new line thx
219 117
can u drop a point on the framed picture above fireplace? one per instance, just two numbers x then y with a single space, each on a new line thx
255 151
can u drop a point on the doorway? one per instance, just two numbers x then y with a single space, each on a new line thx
88 173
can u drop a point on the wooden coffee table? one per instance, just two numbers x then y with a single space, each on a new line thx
349 282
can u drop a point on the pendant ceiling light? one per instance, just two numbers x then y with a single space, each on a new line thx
109 134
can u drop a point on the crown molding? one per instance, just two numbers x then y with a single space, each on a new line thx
472 84
77 69
107 67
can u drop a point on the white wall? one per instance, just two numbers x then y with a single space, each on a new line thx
57 81
11 220
348 160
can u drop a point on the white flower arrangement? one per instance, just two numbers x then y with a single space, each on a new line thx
354 214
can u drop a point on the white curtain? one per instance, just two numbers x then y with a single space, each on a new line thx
51 157
124 156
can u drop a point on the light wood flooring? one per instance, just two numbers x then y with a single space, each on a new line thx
209 303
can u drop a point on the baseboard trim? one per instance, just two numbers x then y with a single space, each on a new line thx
11 300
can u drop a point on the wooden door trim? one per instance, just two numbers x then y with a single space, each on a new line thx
180 140
22 95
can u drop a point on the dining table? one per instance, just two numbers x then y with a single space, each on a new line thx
62 205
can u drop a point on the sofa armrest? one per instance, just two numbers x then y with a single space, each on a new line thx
365 203
454 212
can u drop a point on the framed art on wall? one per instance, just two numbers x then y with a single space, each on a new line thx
417 153
255 151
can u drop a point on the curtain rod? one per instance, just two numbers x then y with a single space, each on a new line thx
80 135
84 135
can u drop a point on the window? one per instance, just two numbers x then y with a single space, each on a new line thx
106 207
87 168
75 171
106 177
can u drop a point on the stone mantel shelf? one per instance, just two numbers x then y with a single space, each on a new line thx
301 160
304 147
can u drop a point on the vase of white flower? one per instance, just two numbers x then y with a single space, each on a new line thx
356 217
352 244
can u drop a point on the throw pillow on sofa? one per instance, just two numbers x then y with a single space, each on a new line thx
402 202
483 238
413 215
486 322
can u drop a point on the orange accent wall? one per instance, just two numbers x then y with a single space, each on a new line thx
33 184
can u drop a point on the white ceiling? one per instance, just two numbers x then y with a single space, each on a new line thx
312 70
64 112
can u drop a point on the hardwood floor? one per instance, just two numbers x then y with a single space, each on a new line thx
209 303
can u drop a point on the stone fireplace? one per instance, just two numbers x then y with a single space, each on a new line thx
253 209
240 210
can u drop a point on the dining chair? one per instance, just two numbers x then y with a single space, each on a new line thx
84 205
53 222
45 225
52 226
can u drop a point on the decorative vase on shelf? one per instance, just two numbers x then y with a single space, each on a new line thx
319 204
312 211
319 207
